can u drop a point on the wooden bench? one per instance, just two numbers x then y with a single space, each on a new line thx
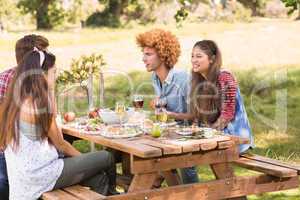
76 192
268 166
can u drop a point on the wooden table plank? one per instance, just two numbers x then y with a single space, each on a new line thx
124 145
184 160
225 144
193 145
187 145
167 149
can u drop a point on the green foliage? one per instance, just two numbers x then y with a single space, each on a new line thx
104 18
79 10
48 13
182 13
114 11
80 71
9 13
51 14
7 8
292 4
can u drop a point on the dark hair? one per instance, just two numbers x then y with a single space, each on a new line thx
205 100
27 43
29 81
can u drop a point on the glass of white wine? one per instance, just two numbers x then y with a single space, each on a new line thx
120 109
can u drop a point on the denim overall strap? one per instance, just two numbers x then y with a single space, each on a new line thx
240 126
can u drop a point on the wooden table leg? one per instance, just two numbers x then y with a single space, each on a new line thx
171 177
126 164
142 182
223 171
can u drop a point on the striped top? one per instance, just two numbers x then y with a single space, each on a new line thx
5 78
227 87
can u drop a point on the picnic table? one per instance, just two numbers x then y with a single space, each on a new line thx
146 158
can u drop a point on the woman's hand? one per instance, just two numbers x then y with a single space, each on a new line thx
153 102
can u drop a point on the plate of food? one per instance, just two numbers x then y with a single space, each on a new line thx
197 132
121 131
187 130
87 125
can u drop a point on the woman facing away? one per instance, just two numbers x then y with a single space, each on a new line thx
31 138
215 98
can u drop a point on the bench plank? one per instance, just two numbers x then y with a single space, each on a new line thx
214 190
265 168
272 161
83 193
58 195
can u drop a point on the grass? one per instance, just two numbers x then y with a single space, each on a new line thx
259 53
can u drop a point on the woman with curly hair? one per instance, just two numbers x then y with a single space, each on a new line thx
161 50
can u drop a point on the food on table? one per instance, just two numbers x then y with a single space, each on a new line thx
94 113
94 124
156 130
69 116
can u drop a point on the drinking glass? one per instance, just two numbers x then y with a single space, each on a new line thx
120 109
138 102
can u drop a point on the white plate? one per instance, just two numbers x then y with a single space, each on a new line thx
119 136
184 132
107 133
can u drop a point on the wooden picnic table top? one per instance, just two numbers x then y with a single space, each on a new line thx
146 146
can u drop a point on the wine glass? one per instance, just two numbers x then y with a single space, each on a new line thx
120 109
160 110
138 102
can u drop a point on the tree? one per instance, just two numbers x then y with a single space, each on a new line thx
293 5
48 13
114 10
8 12
111 15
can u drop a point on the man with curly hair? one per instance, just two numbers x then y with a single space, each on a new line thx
161 50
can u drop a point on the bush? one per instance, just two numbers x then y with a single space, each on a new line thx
103 18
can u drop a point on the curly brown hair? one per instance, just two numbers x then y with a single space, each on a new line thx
164 42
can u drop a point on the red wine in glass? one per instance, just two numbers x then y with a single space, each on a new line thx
138 101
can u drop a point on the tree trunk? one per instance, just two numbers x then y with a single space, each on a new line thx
116 7
298 18
42 18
